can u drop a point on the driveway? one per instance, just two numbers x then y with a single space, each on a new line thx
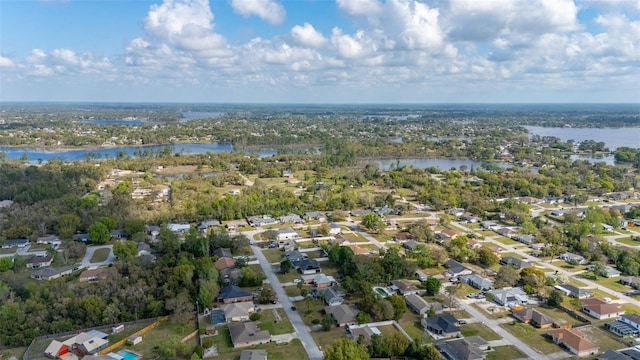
303 331
86 261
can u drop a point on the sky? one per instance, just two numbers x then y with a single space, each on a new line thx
321 51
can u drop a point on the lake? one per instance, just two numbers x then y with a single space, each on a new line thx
196 115
112 152
607 159
612 137
442 164
115 122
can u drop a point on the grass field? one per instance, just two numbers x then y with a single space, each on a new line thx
100 255
310 309
480 330
8 251
326 338
273 255
508 352
558 316
628 241
410 322
505 240
268 322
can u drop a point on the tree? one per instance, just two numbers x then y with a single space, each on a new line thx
327 322
266 296
125 250
346 349
133 226
399 305
324 229
5 264
173 346
99 233
285 266
487 257
383 310
109 222
67 225
373 222
555 298
507 276
432 286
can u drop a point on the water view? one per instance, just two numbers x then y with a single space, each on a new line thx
197 115
612 137
124 151
114 122
442 164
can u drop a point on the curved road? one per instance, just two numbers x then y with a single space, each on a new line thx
86 261
303 331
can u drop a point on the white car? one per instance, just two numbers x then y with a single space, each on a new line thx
296 281
607 300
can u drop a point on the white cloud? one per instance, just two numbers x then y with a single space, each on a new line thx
351 47
307 35
268 10
360 7
5 62
187 25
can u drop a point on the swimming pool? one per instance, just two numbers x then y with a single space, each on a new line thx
381 291
128 355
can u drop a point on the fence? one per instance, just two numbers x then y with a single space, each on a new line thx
137 333
28 356
576 316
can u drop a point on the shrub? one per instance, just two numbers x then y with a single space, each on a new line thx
315 321
255 317
207 343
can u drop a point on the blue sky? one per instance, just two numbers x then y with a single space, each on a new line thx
319 51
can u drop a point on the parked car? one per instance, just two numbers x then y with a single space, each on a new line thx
295 281
293 308
462 322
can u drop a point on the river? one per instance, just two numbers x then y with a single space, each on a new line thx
112 152
612 137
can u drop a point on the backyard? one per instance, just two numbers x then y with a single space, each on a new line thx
531 336
100 255
507 352
268 322
226 351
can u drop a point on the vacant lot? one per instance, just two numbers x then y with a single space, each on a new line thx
273 255
480 330
532 337
268 322
310 309
100 255
508 352
326 338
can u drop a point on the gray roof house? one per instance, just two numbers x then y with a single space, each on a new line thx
291 218
569 257
417 304
509 296
514 261
442 325
295 256
461 349
331 297
287 233
477 282
222 252
247 334
573 291
456 268
343 314
254 354
611 272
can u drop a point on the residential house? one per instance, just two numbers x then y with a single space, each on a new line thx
287 234
410 245
334 229
632 281
332 297
307 266
315 215
456 268
49 240
118 234
488 225
206 225
343 314
179 227
37 262
525 239
93 275
237 311
509 296
295 256
601 309
569 257
234 224
247 334
222 252
261 220
574 341
627 354
461 349
287 245
231 294
143 249
253 354
474 244
225 263
50 273
406 287
85 343
19 243
359 250
626 325
360 212
506 232
403 236
417 304
573 291
533 317
291 218
366 332
80 237
477 282
611 272
513 261
319 280
441 325
421 275
446 234
457 212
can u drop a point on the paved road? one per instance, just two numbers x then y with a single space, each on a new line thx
86 261
495 326
303 331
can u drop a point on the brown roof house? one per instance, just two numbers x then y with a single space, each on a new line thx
238 311
600 309
533 317
406 287
93 275
225 263
37 262
248 334
574 341
343 314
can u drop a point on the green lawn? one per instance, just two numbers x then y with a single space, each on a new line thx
100 255
315 254
292 291
505 240
628 241
532 337
268 322
354 237
155 336
8 251
310 309
480 330
39 247
273 255
605 339
288 277
326 338
507 352
558 316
